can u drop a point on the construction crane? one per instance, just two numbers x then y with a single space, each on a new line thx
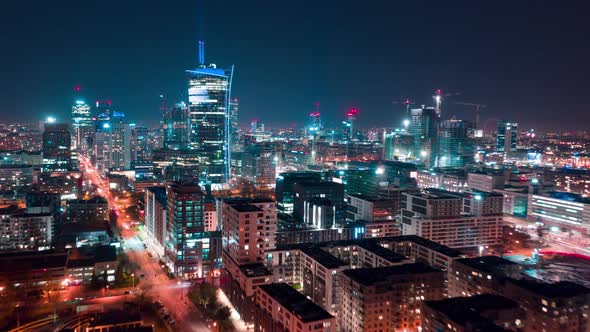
405 102
477 109
438 98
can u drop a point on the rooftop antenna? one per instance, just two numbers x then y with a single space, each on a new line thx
201 53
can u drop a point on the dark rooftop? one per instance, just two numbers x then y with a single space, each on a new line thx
32 260
255 270
370 276
387 254
326 259
562 289
489 264
88 256
159 194
432 193
246 208
10 210
295 302
115 317
92 200
435 246
464 310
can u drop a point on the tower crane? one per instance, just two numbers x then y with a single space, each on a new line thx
438 98
476 107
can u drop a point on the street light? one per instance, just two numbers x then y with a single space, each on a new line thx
133 279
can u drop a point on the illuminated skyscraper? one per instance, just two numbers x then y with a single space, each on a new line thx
506 136
82 126
233 116
456 144
175 123
424 130
209 93
57 153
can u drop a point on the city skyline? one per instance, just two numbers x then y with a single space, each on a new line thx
297 55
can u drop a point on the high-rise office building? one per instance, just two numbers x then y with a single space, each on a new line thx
141 149
258 164
456 144
506 136
82 126
209 95
57 141
191 251
119 144
424 130
175 124
234 106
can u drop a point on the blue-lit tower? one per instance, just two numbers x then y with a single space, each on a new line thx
209 93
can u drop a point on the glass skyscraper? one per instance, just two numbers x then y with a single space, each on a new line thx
424 130
456 145
82 125
209 93
506 136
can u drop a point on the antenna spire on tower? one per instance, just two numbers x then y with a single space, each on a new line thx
201 52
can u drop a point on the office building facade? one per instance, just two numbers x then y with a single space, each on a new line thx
209 94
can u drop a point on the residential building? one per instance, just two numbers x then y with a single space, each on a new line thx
94 209
439 216
258 164
282 309
486 312
191 252
20 231
156 218
392 297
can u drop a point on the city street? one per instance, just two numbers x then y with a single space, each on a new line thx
155 283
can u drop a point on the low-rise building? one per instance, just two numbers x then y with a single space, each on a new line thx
565 210
95 209
21 231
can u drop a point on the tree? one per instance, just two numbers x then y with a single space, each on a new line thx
223 319
204 296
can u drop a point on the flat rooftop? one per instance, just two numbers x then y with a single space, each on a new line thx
489 264
387 254
434 246
246 208
14 262
431 193
371 276
255 270
562 289
469 310
295 302
323 257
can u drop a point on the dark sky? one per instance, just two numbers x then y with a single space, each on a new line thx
529 61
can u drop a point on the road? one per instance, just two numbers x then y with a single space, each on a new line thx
155 283
555 240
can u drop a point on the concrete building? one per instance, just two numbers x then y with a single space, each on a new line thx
14 177
191 252
480 275
487 312
392 297
439 216
20 231
485 181
371 209
561 306
565 210
282 309
95 209
258 164
450 179
156 218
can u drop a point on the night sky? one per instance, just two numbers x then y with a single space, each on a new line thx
529 61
